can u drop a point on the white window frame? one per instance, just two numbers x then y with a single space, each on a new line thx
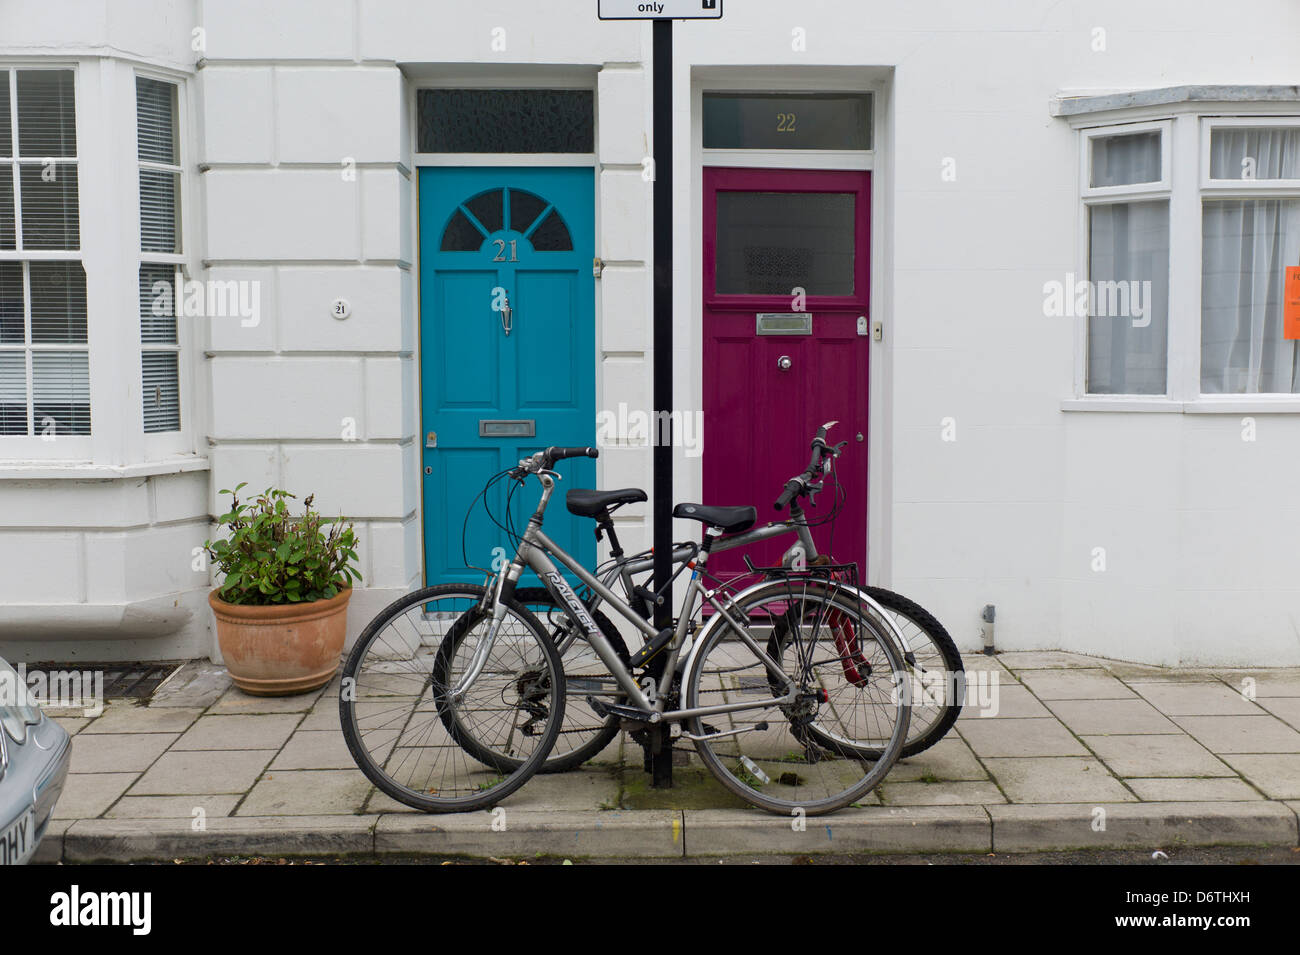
1089 196
56 448
1226 188
164 444
1187 142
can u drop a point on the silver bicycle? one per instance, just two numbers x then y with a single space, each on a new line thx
454 695
939 685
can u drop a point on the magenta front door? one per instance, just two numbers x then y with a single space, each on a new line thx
786 344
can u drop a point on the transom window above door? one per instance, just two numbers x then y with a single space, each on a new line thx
506 210
815 120
505 121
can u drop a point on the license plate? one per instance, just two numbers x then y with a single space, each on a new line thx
18 840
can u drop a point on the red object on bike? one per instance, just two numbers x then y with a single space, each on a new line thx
856 667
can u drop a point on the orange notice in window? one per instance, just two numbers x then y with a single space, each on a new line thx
1291 303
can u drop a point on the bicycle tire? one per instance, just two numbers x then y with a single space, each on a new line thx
392 682
591 734
756 759
920 736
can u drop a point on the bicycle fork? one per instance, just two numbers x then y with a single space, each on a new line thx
493 596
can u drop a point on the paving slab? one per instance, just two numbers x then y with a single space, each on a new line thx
172 807
1019 737
1226 789
202 771
949 759
323 716
1196 699
1016 660
1142 673
239 732
1059 779
198 683
1152 755
1285 708
303 792
73 724
86 795
1019 828
640 834
585 788
235 701
1007 700
124 840
939 793
1075 685
1111 717
118 752
1275 775
1281 681
315 749
126 717
871 829
1242 734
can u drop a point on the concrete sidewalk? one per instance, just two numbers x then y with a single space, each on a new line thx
1081 753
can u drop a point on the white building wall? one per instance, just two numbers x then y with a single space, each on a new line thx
1196 524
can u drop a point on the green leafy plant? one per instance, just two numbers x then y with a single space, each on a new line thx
273 557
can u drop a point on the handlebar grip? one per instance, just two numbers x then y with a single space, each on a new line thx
559 454
792 487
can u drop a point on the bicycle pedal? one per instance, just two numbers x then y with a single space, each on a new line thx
622 711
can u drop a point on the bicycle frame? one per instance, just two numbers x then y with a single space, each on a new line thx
535 551
626 568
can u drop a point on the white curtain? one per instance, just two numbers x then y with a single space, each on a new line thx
1129 243
1246 246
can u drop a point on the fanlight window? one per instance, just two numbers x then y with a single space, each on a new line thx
504 209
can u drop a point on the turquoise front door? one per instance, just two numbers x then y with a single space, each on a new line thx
507 354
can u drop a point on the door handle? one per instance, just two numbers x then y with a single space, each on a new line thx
784 363
431 439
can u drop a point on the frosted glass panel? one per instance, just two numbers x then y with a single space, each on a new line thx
769 243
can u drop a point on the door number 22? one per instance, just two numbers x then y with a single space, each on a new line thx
501 250
785 122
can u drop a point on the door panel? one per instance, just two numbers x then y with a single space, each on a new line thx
769 233
491 237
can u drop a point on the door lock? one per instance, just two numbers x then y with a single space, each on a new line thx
431 439
784 363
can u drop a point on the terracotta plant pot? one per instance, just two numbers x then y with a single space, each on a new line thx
281 649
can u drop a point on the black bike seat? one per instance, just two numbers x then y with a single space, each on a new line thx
586 503
732 520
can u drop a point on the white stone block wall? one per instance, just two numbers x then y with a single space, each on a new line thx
293 95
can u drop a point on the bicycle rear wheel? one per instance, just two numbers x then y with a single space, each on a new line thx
939 688
402 687
769 755
584 733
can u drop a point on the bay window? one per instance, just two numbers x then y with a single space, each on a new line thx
1189 224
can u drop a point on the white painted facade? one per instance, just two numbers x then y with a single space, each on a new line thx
98 535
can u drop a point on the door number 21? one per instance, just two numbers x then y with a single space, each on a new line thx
501 250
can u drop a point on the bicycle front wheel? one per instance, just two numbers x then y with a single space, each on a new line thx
769 753
406 693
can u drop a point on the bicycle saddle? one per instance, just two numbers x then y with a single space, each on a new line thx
732 520
586 503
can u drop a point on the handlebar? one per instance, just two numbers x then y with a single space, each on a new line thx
801 483
545 460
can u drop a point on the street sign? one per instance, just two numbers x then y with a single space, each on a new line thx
659 9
